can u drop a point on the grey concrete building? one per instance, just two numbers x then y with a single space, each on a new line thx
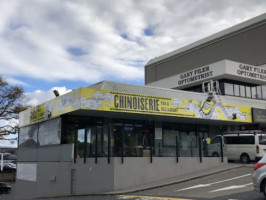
243 43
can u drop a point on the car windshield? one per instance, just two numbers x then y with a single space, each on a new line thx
262 139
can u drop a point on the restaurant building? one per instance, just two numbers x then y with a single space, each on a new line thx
114 137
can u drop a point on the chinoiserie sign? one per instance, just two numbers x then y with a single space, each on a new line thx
112 101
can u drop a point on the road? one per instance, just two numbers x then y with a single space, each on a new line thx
235 184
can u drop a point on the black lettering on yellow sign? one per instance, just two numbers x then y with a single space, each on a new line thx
136 103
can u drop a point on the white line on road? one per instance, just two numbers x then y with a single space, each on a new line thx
210 184
233 187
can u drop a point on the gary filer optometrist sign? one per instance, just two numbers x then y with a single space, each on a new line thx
195 75
220 70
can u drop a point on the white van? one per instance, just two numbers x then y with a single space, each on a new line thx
243 147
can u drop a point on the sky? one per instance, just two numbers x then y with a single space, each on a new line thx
66 44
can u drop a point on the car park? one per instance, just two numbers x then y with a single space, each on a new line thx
244 147
259 176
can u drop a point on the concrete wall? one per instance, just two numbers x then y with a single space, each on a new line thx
92 177
44 186
63 152
51 161
54 178
247 47
139 171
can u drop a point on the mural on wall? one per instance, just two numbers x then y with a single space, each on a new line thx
102 100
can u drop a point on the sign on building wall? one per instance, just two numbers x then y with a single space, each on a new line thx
112 101
224 69
259 115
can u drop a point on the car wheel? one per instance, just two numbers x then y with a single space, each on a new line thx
263 188
244 158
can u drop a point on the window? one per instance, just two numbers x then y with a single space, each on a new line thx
259 92
236 90
50 132
28 136
242 91
91 141
80 143
248 92
246 140
262 139
231 140
216 140
228 89
264 92
253 93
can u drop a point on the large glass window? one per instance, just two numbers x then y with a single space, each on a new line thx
236 90
50 132
248 92
264 92
242 91
228 89
259 92
91 141
188 141
80 143
170 139
28 136
131 138
253 92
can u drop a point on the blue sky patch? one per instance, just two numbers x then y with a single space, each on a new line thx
76 51
148 31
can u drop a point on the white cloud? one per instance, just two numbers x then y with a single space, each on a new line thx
39 96
37 36
13 81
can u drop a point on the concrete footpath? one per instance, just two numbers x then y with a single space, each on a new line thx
179 179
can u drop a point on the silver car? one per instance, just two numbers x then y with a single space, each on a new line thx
259 176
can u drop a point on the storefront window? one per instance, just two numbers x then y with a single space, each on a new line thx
188 141
80 143
131 138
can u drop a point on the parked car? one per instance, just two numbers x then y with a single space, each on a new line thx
10 166
4 188
259 176
239 147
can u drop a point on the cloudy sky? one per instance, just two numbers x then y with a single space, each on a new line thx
69 44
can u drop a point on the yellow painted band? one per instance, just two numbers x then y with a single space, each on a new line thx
150 197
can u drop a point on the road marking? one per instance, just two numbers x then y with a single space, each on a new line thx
233 187
210 184
148 197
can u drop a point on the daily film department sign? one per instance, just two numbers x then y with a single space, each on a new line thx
112 101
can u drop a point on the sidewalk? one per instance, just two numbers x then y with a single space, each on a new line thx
179 179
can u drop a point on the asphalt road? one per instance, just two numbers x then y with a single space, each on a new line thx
235 184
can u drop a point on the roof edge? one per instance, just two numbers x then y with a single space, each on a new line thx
246 25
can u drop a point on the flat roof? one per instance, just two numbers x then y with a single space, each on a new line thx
230 32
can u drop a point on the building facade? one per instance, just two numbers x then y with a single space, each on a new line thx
113 136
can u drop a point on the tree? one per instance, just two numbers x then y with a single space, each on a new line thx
11 103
